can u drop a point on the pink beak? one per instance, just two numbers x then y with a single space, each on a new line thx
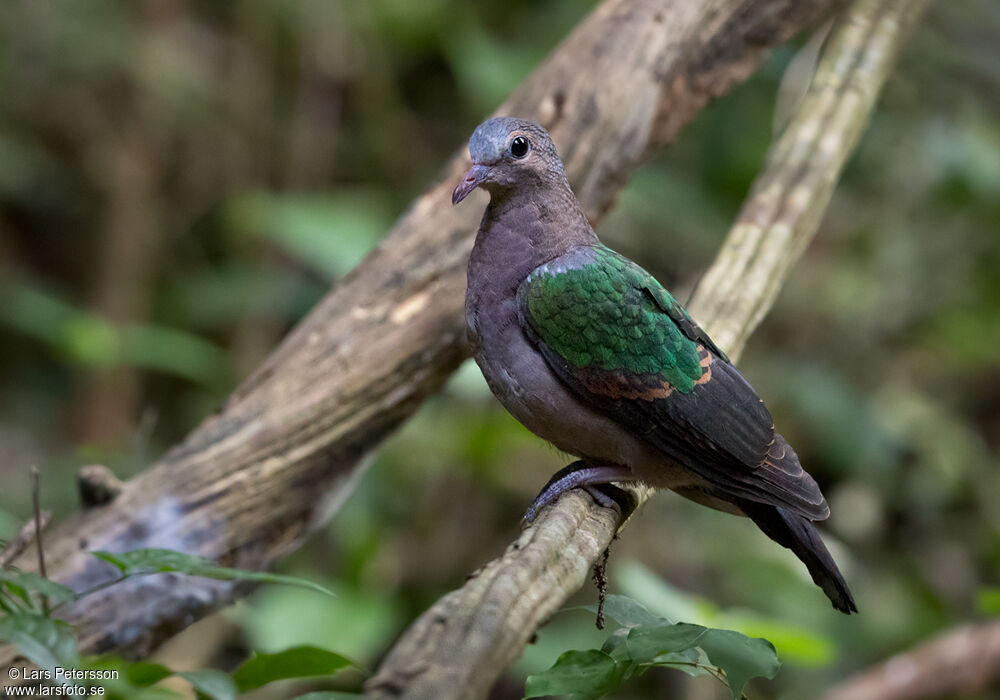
473 179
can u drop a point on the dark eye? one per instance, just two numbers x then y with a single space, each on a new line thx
519 147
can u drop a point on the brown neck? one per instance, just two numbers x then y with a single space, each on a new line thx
545 217
521 229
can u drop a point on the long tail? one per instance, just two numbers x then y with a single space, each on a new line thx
798 534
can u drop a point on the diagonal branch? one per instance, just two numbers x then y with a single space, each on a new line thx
242 488
962 661
461 644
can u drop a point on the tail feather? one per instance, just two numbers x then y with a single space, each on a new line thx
798 534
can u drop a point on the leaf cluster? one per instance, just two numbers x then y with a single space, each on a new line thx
643 641
50 643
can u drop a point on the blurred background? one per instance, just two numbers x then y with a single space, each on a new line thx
180 180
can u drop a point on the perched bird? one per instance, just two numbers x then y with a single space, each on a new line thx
592 354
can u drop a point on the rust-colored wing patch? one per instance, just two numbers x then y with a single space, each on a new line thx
622 384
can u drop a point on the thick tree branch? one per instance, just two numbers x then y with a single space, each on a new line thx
962 661
459 647
242 488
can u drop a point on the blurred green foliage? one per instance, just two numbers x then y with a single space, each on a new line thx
28 605
181 181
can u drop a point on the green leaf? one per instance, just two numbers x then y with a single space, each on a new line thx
741 657
22 583
135 680
691 661
793 642
145 561
330 233
660 597
627 612
151 561
214 684
91 340
297 662
143 673
171 351
44 641
988 600
152 693
83 337
118 690
358 623
328 695
615 644
647 642
590 673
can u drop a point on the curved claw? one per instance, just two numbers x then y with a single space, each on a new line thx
610 496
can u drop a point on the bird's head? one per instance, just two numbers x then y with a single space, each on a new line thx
508 152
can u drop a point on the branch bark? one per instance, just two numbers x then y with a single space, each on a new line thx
242 488
461 644
962 661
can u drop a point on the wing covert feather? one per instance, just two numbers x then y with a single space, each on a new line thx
624 345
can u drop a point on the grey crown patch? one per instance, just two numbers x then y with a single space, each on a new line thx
489 140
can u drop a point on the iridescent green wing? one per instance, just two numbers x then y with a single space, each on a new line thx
626 347
677 313
592 309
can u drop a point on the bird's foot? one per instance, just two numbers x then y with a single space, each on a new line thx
594 479
610 496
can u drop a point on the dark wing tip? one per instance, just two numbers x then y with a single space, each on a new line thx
791 530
